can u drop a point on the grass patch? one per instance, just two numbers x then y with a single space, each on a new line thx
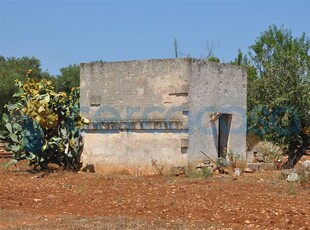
193 172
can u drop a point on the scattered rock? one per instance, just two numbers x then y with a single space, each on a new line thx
206 164
248 170
286 172
238 171
306 164
292 177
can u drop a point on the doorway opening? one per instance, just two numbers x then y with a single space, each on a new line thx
223 134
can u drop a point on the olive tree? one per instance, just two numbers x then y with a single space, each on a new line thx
279 90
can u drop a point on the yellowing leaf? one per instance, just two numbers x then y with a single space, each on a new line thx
41 109
306 130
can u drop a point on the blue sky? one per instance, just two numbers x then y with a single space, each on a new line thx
60 33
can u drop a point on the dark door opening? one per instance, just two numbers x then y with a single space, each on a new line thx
223 134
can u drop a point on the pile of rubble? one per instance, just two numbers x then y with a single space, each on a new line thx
301 171
218 168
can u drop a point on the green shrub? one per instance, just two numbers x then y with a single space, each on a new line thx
43 126
214 59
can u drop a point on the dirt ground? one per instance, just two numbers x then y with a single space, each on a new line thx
64 200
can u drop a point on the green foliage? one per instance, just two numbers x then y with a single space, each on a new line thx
282 63
279 89
239 60
16 68
43 126
233 158
70 77
214 59
275 124
242 60
223 163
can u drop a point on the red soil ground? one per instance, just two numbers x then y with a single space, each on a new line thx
64 200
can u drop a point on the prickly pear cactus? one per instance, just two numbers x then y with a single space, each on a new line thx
43 126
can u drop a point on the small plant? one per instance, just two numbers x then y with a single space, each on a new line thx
214 59
291 189
222 164
234 159
193 172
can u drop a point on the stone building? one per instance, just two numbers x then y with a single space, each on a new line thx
153 114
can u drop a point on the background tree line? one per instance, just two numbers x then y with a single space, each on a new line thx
12 68
278 72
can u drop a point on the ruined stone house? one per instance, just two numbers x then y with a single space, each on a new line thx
161 113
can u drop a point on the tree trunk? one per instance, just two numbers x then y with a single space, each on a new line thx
295 156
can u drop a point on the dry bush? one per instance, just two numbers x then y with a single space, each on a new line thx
268 152
252 140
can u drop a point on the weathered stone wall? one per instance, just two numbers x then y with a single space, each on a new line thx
135 90
136 109
143 151
159 111
216 88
